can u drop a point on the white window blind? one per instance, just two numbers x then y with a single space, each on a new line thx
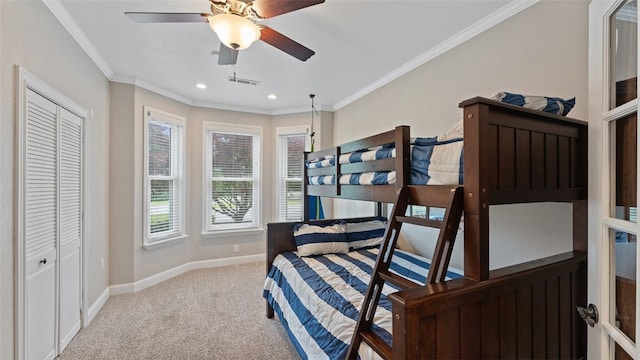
164 176
232 178
291 149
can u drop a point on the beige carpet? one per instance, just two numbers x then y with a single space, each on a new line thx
216 313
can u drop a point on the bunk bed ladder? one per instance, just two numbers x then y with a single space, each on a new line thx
442 196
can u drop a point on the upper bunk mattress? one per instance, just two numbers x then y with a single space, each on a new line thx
318 298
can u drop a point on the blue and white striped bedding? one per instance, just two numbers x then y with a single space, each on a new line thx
434 161
367 178
374 154
318 298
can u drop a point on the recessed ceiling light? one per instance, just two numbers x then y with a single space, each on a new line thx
201 86
272 96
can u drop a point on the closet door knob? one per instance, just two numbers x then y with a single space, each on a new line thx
43 261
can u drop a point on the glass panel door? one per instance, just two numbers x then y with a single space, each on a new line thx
620 221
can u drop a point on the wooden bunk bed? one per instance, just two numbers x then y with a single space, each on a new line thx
511 155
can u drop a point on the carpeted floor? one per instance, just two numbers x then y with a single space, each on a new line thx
216 313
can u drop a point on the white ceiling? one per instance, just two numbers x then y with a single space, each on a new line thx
359 45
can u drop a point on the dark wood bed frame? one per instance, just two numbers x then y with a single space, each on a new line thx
511 155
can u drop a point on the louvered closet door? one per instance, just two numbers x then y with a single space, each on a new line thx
41 199
70 225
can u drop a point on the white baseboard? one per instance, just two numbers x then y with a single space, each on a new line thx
163 276
181 269
96 306
205 264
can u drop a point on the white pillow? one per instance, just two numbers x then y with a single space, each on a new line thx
364 234
318 240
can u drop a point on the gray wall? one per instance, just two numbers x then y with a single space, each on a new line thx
33 38
130 262
540 51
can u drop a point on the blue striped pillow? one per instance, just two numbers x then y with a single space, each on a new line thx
318 240
553 105
365 234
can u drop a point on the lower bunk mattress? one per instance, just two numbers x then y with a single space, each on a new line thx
318 298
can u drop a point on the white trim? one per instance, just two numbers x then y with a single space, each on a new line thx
282 162
507 11
164 242
64 342
257 132
212 235
475 29
181 269
96 306
25 81
179 123
78 35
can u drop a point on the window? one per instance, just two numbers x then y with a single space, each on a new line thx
164 180
232 177
291 144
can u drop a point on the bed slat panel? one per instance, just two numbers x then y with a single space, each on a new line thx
553 319
506 157
493 156
537 160
524 327
540 322
565 318
564 160
447 338
426 336
508 325
523 160
518 313
551 168
471 315
490 335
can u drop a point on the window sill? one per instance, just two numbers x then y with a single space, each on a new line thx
164 242
228 233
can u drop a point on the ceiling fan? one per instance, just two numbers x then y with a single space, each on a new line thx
235 23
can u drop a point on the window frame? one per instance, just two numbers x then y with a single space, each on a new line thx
178 166
281 167
209 229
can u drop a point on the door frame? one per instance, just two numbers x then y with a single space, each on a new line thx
25 80
600 185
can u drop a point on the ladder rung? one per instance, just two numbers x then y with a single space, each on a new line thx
378 345
397 280
419 221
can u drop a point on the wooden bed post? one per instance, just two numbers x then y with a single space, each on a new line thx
403 155
305 177
476 196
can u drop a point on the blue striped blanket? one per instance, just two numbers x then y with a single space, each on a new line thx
358 156
318 298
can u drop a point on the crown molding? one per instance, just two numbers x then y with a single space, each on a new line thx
513 8
74 30
477 28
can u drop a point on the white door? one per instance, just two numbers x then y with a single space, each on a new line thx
41 223
70 225
613 183
51 196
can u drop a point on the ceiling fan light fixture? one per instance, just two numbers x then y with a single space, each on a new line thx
234 31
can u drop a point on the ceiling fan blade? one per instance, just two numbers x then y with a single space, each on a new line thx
157 17
227 56
270 8
285 44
